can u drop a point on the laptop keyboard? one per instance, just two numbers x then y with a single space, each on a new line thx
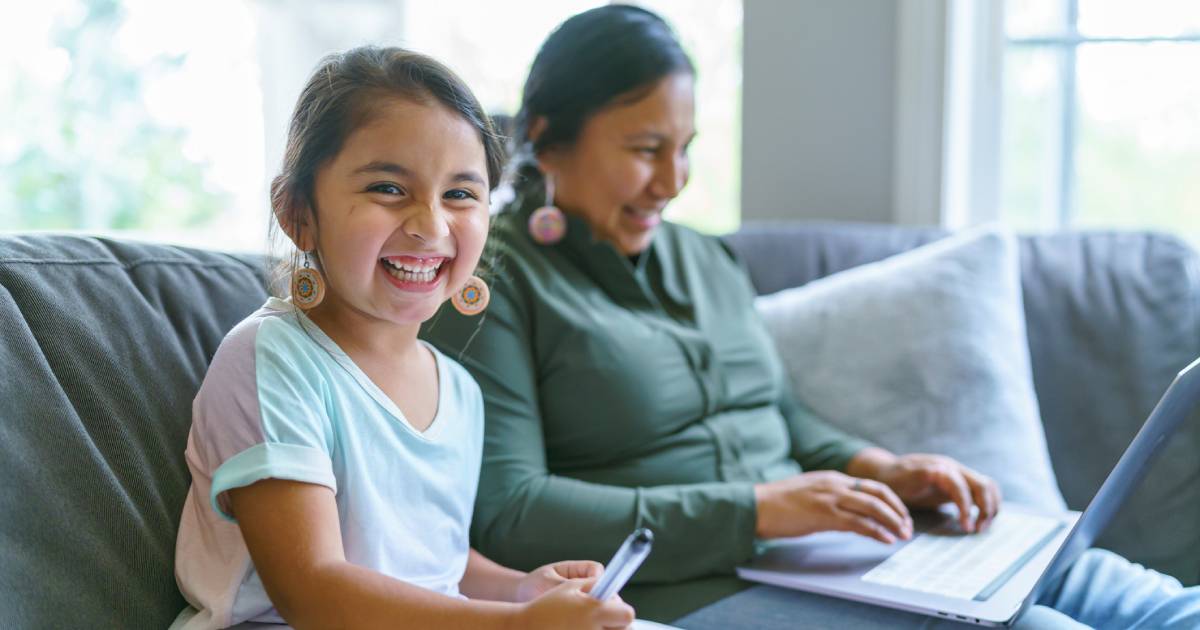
966 566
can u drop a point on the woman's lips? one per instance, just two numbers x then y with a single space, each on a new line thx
643 219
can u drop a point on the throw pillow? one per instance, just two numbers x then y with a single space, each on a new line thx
925 351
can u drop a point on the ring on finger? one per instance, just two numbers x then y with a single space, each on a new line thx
857 485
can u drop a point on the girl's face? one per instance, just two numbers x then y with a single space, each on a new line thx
629 161
402 212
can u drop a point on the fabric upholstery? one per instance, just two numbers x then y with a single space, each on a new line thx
1111 318
102 348
103 344
924 352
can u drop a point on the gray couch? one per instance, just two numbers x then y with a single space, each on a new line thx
103 344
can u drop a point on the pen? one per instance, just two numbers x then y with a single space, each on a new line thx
624 563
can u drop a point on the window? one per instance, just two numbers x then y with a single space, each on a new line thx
165 121
492 44
132 116
1101 115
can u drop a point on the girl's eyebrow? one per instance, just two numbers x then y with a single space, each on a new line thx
393 168
468 176
382 167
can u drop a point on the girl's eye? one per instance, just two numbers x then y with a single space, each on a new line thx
459 194
646 150
387 189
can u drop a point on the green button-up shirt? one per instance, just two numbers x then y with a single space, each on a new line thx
627 393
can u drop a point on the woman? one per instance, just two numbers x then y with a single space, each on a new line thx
626 376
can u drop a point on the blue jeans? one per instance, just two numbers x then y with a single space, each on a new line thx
1101 590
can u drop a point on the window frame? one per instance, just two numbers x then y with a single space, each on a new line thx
1067 45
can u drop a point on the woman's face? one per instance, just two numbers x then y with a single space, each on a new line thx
629 161
402 213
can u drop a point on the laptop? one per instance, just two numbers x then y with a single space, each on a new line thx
987 579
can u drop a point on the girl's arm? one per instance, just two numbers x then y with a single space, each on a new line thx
485 579
291 530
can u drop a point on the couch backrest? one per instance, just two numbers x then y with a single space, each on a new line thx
102 347
1111 318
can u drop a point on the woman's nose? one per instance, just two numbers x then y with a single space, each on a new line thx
670 177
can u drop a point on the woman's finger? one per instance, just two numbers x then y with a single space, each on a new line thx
983 496
864 526
875 509
951 481
887 495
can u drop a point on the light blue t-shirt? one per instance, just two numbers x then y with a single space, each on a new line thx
281 400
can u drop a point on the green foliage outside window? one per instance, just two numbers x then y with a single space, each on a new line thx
82 151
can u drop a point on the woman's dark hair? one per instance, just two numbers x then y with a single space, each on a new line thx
344 93
611 54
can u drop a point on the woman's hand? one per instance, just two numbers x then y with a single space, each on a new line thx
544 578
928 481
568 606
827 500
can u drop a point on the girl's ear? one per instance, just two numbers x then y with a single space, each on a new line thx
293 218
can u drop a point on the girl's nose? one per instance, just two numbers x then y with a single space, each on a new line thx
426 223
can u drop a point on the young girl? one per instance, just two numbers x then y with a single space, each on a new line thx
335 458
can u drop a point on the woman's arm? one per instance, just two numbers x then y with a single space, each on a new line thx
816 445
291 530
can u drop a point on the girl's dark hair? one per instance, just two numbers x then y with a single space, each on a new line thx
611 54
344 93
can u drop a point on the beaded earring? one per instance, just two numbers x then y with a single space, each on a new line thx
473 297
308 287
547 225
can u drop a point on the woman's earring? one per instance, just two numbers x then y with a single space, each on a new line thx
473 297
308 287
547 225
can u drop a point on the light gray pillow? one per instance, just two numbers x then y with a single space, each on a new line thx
924 352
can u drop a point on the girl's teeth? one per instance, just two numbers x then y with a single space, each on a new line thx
424 277
412 273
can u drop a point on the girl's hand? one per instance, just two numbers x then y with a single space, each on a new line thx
830 501
544 578
569 607
928 481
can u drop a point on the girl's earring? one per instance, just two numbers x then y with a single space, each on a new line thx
547 225
308 287
473 297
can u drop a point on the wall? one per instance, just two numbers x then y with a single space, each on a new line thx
818 109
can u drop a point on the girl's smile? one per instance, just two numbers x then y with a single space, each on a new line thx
421 274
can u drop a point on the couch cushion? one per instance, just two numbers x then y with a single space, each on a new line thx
102 346
924 352
1111 318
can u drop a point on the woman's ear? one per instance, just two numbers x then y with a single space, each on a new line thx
537 127
546 157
